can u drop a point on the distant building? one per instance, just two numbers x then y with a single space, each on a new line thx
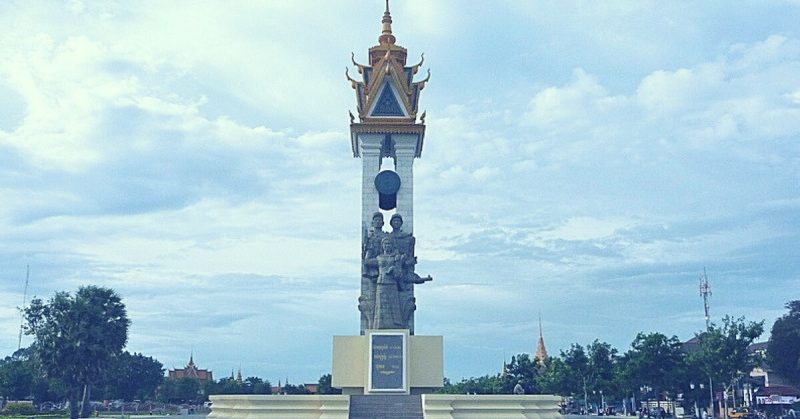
191 371
765 386
692 345
770 378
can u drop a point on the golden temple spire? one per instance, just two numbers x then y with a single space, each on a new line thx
386 34
541 352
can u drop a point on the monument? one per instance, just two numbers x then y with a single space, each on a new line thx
387 370
387 357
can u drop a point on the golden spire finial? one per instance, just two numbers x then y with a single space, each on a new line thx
386 34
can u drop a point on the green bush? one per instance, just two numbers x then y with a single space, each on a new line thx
19 409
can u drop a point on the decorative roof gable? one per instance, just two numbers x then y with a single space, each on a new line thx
387 92
387 104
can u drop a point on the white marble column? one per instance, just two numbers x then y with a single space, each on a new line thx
404 151
370 150
371 163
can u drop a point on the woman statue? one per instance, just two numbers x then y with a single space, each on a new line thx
387 313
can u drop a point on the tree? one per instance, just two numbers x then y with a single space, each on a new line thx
552 378
325 386
602 358
133 377
487 384
181 390
577 369
623 382
16 377
262 387
783 349
722 355
656 362
228 385
77 337
521 370
249 384
295 389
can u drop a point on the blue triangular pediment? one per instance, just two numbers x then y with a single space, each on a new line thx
387 104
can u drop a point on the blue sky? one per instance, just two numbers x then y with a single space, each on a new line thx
583 160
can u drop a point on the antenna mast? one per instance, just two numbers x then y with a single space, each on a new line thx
24 300
705 291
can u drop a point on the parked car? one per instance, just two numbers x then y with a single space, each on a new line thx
738 413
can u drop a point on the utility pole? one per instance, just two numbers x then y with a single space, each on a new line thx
705 291
24 300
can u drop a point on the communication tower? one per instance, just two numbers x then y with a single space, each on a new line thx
24 300
705 291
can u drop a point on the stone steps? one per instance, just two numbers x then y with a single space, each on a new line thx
386 407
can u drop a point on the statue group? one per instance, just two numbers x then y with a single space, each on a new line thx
388 262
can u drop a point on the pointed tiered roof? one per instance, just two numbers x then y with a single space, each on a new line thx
191 371
541 352
387 96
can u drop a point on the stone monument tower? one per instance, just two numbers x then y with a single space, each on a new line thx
387 357
387 370
387 137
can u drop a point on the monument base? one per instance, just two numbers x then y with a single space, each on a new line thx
387 362
279 407
434 406
454 406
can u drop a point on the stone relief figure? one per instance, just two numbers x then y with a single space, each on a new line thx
388 277
409 305
388 313
366 307
371 248
372 244
405 246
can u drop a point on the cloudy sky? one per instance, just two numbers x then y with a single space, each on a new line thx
583 160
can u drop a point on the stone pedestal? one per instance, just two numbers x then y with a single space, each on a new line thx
432 406
279 407
387 362
455 406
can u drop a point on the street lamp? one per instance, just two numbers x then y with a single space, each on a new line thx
585 406
710 397
602 401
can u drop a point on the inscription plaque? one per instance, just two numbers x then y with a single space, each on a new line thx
387 362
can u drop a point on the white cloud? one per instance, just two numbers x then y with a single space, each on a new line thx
794 96
664 92
199 152
63 92
569 106
586 228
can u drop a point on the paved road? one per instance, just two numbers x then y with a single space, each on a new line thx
145 416
596 417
